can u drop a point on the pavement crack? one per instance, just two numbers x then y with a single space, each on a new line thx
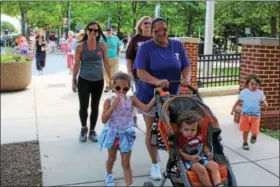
254 161
97 181
35 106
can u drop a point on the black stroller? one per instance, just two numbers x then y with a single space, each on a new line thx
168 108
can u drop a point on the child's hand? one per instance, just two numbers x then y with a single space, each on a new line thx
195 158
232 111
209 155
116 102
265 105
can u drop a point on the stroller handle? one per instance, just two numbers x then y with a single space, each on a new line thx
190 87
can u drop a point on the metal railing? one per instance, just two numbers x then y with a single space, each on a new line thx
218 70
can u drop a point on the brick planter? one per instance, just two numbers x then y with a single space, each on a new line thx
261 56
15 76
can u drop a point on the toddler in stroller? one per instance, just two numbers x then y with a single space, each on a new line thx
197 157
180 169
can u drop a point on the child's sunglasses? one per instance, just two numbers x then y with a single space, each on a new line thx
125 89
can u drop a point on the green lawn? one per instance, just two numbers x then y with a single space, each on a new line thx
226 71
221 84
218 74
274 133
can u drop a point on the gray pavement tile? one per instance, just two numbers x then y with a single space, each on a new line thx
249 174
265 147
44 110
17 112
137 181
234 157
271 164
18 98
18 130
86 163
58 127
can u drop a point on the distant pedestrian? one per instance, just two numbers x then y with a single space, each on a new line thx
52 41
39 50
113 45
251 99
89 56
79 36
23 46
69 53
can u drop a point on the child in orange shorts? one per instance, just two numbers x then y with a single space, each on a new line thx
251 98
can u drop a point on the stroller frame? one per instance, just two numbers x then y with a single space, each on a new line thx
174 157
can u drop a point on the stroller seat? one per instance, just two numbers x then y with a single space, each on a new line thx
196 182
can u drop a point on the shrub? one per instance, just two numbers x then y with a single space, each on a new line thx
15 58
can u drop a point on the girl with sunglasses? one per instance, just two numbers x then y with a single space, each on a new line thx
89 56
251 99
119 133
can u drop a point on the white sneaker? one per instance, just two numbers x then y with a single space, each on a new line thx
155 172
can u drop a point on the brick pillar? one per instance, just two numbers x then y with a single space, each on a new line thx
191 46
261 56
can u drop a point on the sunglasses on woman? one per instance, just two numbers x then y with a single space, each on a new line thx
147 23
125 89
95 30
163 30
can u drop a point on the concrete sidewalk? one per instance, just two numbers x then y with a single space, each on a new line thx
48 111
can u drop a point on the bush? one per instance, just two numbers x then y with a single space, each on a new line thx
15 58
274 133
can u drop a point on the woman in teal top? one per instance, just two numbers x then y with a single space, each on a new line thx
89 55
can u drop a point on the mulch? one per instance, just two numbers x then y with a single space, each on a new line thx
21 164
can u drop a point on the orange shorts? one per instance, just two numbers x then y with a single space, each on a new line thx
249 123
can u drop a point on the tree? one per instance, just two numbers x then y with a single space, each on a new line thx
7 25
261 17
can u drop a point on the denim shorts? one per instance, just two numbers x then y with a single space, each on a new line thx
204 161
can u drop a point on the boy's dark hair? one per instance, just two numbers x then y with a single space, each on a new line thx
188 117
121 76
252 76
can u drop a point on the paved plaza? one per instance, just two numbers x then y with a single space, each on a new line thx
48 111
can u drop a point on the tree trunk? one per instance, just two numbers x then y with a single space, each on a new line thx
273 26
23 19
134 9
27 29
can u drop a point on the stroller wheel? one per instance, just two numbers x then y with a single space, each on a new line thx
148 184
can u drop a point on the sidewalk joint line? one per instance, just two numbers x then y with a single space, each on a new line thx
35 107
119 178
253 162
